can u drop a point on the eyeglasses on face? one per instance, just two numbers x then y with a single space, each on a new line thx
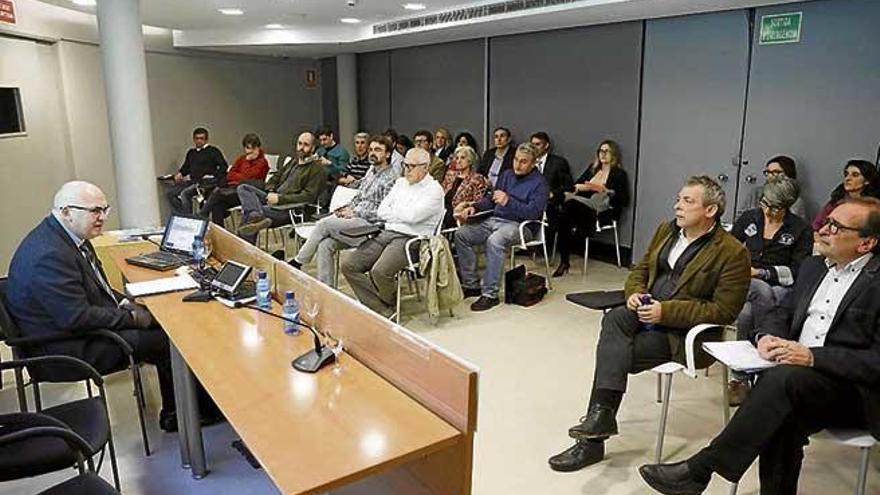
410 166
834 227
604 150
97 211
766 204
768 173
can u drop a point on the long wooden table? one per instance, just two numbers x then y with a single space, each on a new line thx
394 405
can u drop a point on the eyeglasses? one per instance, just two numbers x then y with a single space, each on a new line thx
96 211
765 204
410 166
604 150
420 140
768 173
834 227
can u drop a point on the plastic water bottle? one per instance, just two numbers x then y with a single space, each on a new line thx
264 300
646 299
290 311
198 251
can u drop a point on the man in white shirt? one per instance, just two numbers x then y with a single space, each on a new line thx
413 207
825 340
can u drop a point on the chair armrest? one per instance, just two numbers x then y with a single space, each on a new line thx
294 206
522 229
47 339
74 440
407 249
689 349
55 359
365 231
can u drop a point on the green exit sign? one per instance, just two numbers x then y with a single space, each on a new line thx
781 28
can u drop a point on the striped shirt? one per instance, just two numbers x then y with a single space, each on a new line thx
372 189
358 166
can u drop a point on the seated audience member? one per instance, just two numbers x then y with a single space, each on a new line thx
467 139
332 154
693 272
777 240
602 192
462 185
396 155
413 207
201 160
359 162
251 167
859 179
779 167
498 158
327 238
443 146
404 144
437 169
57 287
558 175
824 339
520 194
297 181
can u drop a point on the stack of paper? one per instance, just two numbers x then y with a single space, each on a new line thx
161 286
739 355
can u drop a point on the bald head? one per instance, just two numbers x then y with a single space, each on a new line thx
76 203
305 145
416 164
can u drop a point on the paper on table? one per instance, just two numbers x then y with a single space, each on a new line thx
161 286
739 355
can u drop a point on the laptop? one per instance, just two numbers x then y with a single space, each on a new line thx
176 247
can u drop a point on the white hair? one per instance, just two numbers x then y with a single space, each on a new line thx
73 192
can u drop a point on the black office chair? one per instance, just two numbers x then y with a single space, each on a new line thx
28 347
84 484
81 429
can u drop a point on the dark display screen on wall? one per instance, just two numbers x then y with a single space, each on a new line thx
11 115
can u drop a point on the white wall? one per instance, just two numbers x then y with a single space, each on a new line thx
66 117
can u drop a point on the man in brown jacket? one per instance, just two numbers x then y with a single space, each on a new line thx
694 272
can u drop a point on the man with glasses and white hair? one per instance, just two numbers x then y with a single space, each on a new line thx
413 207
693 272
57 287
824 339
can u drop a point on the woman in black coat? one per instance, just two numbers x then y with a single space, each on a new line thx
601 192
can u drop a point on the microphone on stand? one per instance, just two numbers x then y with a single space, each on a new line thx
311 361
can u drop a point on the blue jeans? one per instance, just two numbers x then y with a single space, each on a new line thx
253 205
762 298
498 235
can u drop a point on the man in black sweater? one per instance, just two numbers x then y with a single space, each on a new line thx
557 173
202 160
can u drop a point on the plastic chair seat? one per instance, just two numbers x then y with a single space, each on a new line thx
861 439
668 368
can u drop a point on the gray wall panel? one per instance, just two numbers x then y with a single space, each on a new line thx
438 85
374 103
580 85
329 95
817 100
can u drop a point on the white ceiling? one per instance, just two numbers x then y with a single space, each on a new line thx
312 27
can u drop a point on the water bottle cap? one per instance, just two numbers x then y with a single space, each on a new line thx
261 274
288 295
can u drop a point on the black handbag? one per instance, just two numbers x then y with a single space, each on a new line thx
523 288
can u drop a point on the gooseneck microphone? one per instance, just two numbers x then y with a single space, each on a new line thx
311 361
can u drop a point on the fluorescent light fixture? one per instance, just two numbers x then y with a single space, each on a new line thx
274 26
231 11
350 20
414 6
84 3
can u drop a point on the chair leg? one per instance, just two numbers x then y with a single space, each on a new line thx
617 246
547 265
113 465
862 482
733 488
664 414
659 388
586 253
725 398
397 312
555 240
38 402
140 403
415 282
19 389
89 389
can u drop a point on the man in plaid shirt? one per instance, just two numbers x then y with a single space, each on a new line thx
327 238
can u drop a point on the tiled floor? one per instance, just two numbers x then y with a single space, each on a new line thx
535 370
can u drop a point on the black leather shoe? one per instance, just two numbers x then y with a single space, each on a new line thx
598 423
296 264
672 479
168 421
561 270
212 418
278 254
469 292
484 303
579 456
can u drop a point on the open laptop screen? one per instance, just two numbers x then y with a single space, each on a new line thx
180 233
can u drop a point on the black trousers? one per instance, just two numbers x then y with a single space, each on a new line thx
576 221
219 202
788 404
625 347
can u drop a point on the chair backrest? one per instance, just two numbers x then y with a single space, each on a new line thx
8 328
273 162
342 196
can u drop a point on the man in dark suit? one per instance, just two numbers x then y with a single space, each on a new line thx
57 286
825 339
693 272
498 158
558 175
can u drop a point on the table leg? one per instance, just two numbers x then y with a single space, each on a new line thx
178 369
194 427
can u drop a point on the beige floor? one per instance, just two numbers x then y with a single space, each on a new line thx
535 370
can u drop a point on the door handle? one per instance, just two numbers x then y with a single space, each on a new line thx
723 177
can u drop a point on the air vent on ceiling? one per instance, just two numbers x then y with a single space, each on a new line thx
464 14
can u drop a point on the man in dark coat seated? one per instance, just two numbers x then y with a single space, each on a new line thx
825 338
57 286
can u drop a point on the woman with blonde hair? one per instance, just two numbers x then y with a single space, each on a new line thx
462 185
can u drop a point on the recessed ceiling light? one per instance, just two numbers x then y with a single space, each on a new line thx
414 6
274 26
85 3
231 11
349 20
